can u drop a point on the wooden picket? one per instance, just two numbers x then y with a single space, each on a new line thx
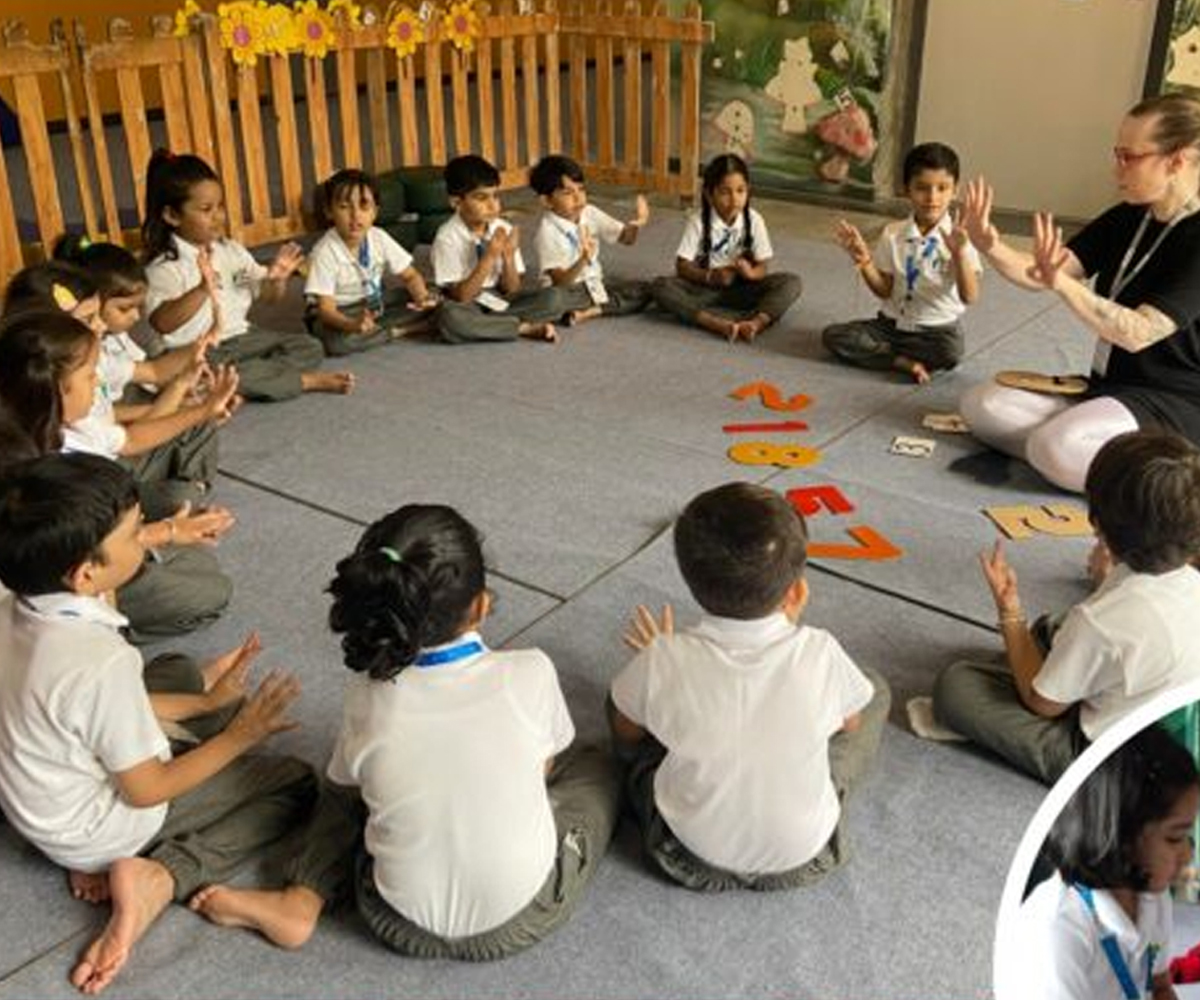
610 55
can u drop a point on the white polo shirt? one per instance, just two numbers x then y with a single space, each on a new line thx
457 251
451 763
239 276
95 434
1056 952
924 289
1129 641
559 242
725 241
73 712
745 710
352 277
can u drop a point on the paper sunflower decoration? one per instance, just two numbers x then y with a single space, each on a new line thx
242 31
351 10
278 28
405 32
313 29
461 26
183 18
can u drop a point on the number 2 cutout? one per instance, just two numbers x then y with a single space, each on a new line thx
770 396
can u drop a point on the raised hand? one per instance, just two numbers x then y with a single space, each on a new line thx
208 273
641 212
1050 254
223 400
287 260
1002 580
977 215
644 628
200 527
851 240
265 711
958 239
587 244
225 677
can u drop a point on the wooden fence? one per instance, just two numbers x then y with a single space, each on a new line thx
556 75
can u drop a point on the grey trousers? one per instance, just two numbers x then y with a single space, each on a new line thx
584 789
269 363
773 296
980 701
216 827
178 471
876 343
850 757
624 297
391 324
467 322
178 589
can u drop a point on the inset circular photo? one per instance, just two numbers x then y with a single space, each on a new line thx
1102 900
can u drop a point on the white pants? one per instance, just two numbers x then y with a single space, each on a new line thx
1057 437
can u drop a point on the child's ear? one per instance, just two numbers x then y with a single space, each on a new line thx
544 199
795 598
455 201
171 217
81 579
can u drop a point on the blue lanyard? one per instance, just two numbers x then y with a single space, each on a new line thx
1112 951
372 286
723 243
449 654
912 267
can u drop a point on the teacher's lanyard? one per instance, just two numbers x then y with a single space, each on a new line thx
449 654
1121 280
1112 951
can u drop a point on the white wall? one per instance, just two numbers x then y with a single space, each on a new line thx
1030 93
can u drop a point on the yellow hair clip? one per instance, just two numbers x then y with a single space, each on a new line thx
63 297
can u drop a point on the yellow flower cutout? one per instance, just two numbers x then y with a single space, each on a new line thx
405 32
242 31
278 29
352 11
460 25
313 29
183 18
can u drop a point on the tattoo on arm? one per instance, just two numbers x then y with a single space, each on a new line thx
1132 329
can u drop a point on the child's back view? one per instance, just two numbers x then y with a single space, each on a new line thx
746 732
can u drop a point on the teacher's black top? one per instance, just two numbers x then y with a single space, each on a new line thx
1161 384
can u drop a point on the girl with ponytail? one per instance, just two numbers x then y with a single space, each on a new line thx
480 831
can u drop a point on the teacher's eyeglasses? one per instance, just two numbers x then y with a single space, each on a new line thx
1126 157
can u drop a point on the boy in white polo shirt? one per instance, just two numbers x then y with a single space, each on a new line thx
568 240
745 733
349 308
925 271
477 264
1131 640
86 772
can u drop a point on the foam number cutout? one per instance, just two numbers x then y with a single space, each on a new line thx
1026 520
786 456
872 547
811 500
770 396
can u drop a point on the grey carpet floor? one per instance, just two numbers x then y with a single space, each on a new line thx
573 460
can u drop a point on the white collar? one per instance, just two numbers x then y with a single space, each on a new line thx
746 631
64 605
913 231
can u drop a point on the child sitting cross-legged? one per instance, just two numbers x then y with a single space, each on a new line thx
743 734
86 773
1132 639
348 307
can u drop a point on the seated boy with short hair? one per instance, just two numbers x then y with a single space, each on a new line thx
568 240
86 772
1133 639
745 733
477 264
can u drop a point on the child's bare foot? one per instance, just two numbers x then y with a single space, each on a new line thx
719 325
286 917
91 887
141 890
577 316
920 374
748 329
341 383
539 331
414 328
